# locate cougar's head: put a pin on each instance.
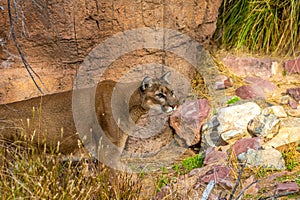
(156, 93)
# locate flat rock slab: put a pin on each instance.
(237, 116)
(288, 133)
(242, 145)
(267, 86)
(292, 66)
(249, 66)
(278, 111)
(288, 187)
(250, 92)
(214, 156)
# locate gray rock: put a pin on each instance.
(210, 135)
(229, 123)
(269, 158)
(264, 125)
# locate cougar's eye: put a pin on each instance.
(160, 95)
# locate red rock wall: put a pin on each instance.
(55, 37)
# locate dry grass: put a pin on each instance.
(25, 173)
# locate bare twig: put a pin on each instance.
(27, 66)
(237, 181)
(243, 191)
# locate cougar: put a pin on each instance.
(49, 119)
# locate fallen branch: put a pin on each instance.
(237, 181)
(244, 190)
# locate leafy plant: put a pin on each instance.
(186, 165)
(193, 162)
(233, 100)
(163, 181)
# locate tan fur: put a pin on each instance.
(53, 119)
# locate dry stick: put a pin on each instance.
(244, 190)
(237, 181)
(26, 64)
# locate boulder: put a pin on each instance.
(269, 158)
(188, 119)
(264, 125)
(57, 36)
(288, 133)
(229, 123)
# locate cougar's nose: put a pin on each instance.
(174, 107)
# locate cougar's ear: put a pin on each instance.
(147, 82)
(166, 77)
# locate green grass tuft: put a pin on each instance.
(260, 26)
(188, 164)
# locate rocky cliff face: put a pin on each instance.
(56, 36)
